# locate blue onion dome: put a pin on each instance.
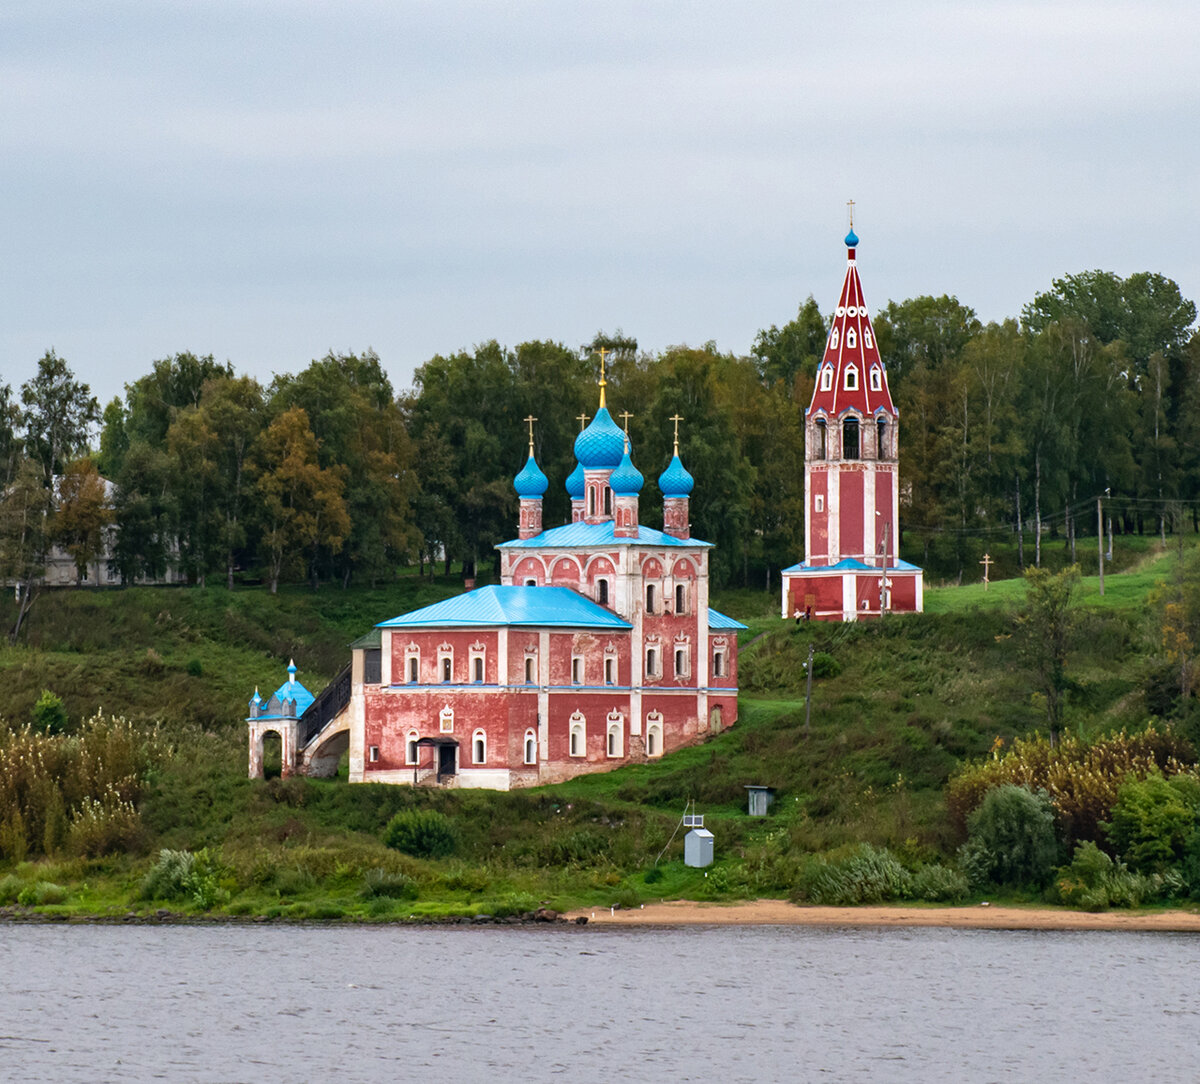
(675, 480)
(531, 482)
(601, 444)
(851, 238)
(626, 480)
(576, 483)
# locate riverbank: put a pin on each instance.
(979, 916)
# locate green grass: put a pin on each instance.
(915, 695)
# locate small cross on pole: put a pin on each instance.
(531, 419)
(987, 566)
(582, 420)
(676, 418)
(850, 204)
(625, 416)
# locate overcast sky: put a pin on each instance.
(268, 181)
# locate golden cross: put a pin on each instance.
(604, 352)
(582, 420)
(850, 204)
(625, 416)
(677, 418)
(531, 419)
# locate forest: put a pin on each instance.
(1009, 432)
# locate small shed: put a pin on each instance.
(698, 848)
(760, 800)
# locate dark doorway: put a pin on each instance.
(272, 760)
(447, 757)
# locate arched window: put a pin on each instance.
(827, 378)
(447, 667)
(651, 662)
(822, 448)
(610, 670)
(529, 669)
(654, 737)
(851, 338)
(833, 339)
(577, 670)
(681, 661)
(649, 598)
(602, 592)
(876, 378)
(479, 747)
(680, 598)
(615, 742)
(719, 663)
(591, 501)
(880, 438)
(411, 749)
(607, 501)
(414, 668)
(577, 745)
(867, 336)
(530, 747)
(478, 661)
(851, 378)
(850, 438)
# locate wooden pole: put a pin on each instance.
(808, 692)
(1100, 540)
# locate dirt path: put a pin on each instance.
(782, 913)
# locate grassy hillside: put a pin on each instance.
(897, 705)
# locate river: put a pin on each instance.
(579, 1004)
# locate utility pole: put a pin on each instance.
(1100, 539)
(808, 692)
(883, 580)
(987, 567)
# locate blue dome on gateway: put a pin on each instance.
(602, 444)
(531, 482)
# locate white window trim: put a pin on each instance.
(577, 728)
(373, 754)
(819, 502)
(411, 749)
(654, 735)
(827, 378)
(850, 380)
(478, 745)
(614, 740)
(578, 670)
(530, 742)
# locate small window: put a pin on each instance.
(851, 378)
(851, 338)
(411, 749)
(577, 670)
(610, 671)
(591, 502)
(649, 598)
(681, 662)
(478, 675)
(718, 664)
(680, 598)
(531, 583)
(479, 747)
(373, 754)
(414, 669)
(822, 449)
(577, 744)
(607, 501)
(833, 339)
(602, 592)
(529, 669)
(881, 439)
(867, 337)
(372, 666)
(615, 742)
(850, 438)
(447, 667)
(827, 378)
(819, 502)
(654, 741)
(876, 379)
(530, 747)
(651, 662)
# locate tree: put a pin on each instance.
(1154, 820)
(58, 416)
(300, 503)
(83, 515)
(794, 350)
(144, 511)
(11, 445)
(1046, 623)
(25, 522)
(1010, 838)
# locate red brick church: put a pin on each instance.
(851, 567)
(597, 649)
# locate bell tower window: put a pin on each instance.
(850, 438)
(851, 378)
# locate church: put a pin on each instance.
(852, 567)
(598, 648)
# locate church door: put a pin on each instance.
(447, 757)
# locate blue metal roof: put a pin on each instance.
(847, 564)
(271, 708)
(511, 605)
(720, 621)
(576, 535)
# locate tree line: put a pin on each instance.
(331, 475)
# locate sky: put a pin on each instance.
(268, 181)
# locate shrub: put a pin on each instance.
(1093, 881)
(423, 833)
(10, 889)
(1010, 839)
(511, 903)
(396, 886)
(40, 894)
(182, 875)
(863, 874)
(49, 715)
(101, 826)
(939, 884)
(1153, 821)
(825, 665)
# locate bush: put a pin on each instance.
(1010, 839)
(825, 665)
(40, 894)
(1153, 821)
(182, 875)
(511, 903)
(396, 886)
(1093, 882)
(101, 826)
(939, 884)
(864, 874)
(423, 833)
(10, 889)
(49, 715)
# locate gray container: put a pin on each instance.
(760, 799)
(698, 848)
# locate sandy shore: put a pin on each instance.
(782, 913)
